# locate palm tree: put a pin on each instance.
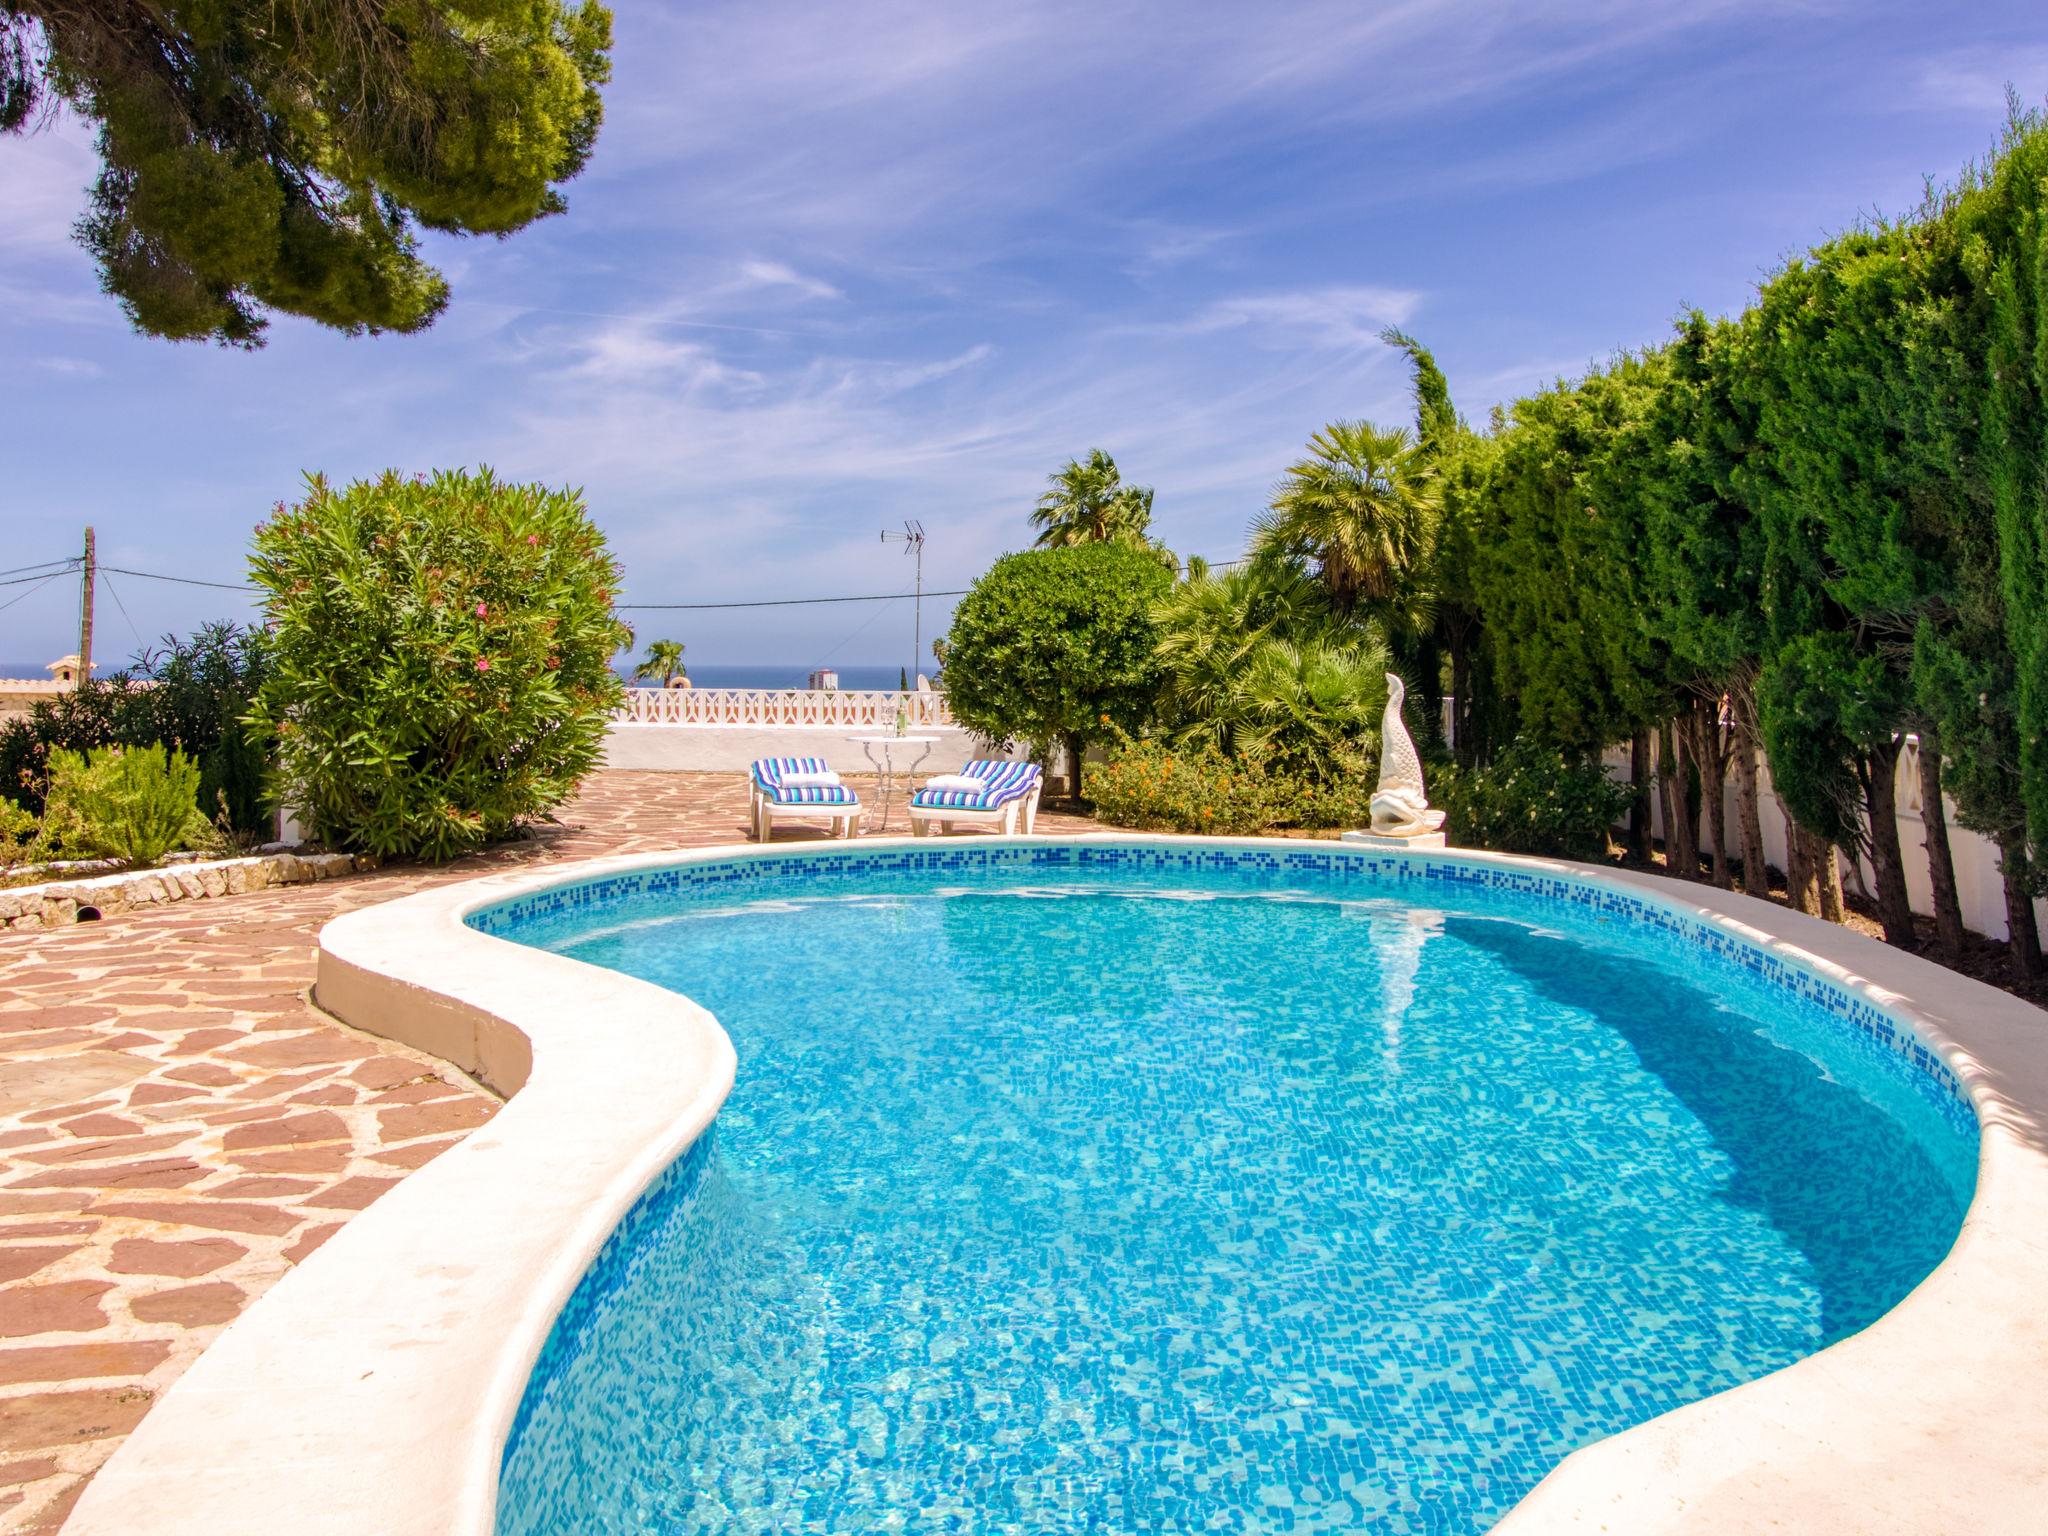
(664, 661)
(1209, 626)
(1359, 512)
(1089, 503)
(1311, 707)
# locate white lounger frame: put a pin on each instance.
(1003, 816)
(843, 820)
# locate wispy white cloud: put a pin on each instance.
(638, 354)
(860, 125)
(1481, 392)
(70, 367)
(1344, 316)
(777, 274)
(1975, 80)
(1162, 247)
(44, 178)
(892, 378)
(835, 267)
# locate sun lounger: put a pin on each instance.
(799, 789)
(1007, 793)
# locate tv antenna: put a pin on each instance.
(912, 540)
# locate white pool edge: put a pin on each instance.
(371, 1390)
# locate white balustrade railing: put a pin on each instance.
(831, 707)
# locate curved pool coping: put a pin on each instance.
(371, 1390)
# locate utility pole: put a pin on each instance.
(912, 539)
(85, 614)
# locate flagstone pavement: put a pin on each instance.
(179, 1126)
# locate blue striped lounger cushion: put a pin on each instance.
(1001, 783)
(767, 773)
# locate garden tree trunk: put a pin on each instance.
(1712, 757)
(2023, 934)
(1681, 831)
(1639, 797)
(1075, 747)
(1756, 874)
(1463, 747)
(1827, 861)
(1879, 772)
(1667, 804)
(1429, 680)
(1941, 867)
(1800, 874)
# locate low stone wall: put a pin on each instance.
(59, 903)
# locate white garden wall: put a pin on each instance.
(729, 748)
(722, 730)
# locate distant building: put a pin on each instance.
(18, 695)
(825, 679)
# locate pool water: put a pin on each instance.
(1117, 1201)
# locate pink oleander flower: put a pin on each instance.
(482, 609)
(533, 538)
(483, 663)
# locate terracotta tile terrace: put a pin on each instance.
(179, 1125)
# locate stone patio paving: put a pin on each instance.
(179, 1126)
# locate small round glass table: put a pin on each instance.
(888, 769)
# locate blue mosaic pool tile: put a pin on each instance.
(1331, 862)
(759, 1347)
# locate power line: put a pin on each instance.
(62, 570)
(32, 591)
(769, 602)
(69, 561)
(860, 629)
(115, 594)
(765, 602)
(792, 602)
(189, 581)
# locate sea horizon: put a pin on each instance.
(710, 674)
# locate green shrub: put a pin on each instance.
(95, 715)
(1531, 800)
(1151, 786)
(191, 695)
(1253, 662)
(439, 659)
(197, 698)
(1056, 646)
(21, 840)
(134, 804)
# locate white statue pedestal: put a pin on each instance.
(1375, 840)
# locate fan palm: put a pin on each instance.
(1359, 511)
(1210, 625)
(664, 661)
(1311, 707)
(1089, 503)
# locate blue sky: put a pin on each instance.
(836, 266)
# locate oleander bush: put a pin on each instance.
(1156, 786)
(1531, 799)
(439, 658)
(135, 804)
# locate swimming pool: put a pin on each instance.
(1146, 1189)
